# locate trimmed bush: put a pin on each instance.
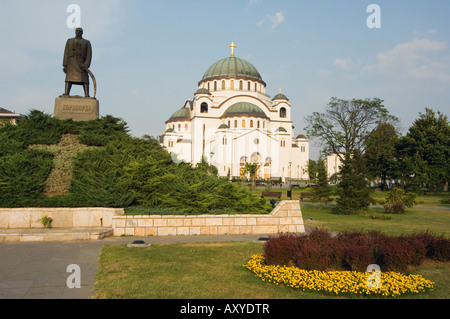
(354, 251)
(439, 249)
(397, 201)
(281, 249)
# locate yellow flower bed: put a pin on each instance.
(338, 282)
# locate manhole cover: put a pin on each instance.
(138, 243)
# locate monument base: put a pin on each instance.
(76, 108)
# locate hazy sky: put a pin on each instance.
(148, 56)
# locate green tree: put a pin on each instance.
(322, 191)
(343, 129)
(252, 170)
(312, 171)
(354, 189)
(380, 153)
(424, 152)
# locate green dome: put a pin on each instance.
(244, 109)
(232, 67)
(203, 91)
(280, 96)
(183, 114)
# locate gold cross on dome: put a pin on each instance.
(232, 46)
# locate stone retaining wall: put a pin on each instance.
(286, 217)
(24, 218)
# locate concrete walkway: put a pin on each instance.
(38, 270)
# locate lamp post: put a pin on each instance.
(290, 182)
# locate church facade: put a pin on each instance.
(231, 120)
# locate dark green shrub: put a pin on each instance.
(23, 177)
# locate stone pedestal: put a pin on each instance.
(76, 108)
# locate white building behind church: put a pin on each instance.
(231, 120)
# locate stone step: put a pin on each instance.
(54, 234)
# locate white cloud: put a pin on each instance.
(323, 72)
(254, 2)
(415, 59)
(343, 64)
(276, 19)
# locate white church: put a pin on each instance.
(231, 120)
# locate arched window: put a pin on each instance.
(283, 112)
(186, 127)
(215, 85)
(179, 127)
(256, 85)
(241, 85)
(229, 124)
(232, 85)
(204, 107)
(243, 123)
(208, 87)
(235, 123)
(248, 86)
(223, 84)
(257, 124)
(283, 143)
(251, 123)
(255, 158)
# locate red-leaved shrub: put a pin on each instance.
(440, 249)
(281, 249)
(355, 250)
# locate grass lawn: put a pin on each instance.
(415, 219)
(215, 271)
(184, 271)
(208, 271)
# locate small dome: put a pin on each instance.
(183, 114)
(232, 67)
(281, 129)
(244, 109)
(170, 130)
(280, 96)
(223, 127)
(301, 136)
(203, 91)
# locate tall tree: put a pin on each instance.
(354, 189)
(322, 191)
(346, 124)
(425, 150)
(252, 170)
(343, 129)
(380, 153)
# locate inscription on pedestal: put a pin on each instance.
(76, 108)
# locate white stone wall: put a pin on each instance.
(25, 218)
(285, 218)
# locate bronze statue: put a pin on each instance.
(77, 59)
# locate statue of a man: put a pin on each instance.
(77, 59)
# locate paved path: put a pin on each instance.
(38, 270)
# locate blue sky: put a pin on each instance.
(148, 56)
